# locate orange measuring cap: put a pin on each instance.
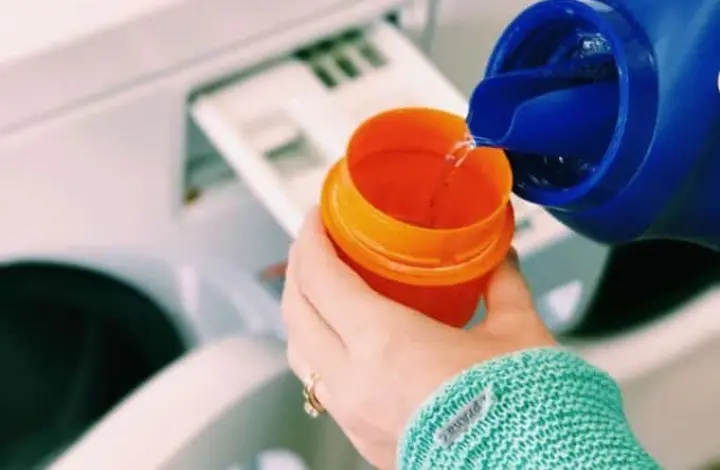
(420, 218)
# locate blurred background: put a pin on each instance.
(156, 158)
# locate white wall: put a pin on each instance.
(467, 31)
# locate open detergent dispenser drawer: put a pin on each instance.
(282, 126)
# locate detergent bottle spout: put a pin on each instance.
(566, 109)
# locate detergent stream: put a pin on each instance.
(454, 158)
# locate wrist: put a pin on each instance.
(522, 410)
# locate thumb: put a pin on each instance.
(508, 300)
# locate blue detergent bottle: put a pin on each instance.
(609, 112)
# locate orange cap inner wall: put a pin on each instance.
(417, 227)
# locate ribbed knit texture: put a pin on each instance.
(548, 409)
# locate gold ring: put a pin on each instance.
(312, 405)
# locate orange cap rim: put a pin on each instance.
(479, 265)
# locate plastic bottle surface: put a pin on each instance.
(419, 214)
(609, 111)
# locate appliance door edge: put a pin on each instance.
(173, 410)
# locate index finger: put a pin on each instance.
(327, 283)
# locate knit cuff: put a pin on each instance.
(535, 409)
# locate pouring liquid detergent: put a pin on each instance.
(609, 112)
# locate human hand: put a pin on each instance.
(377, 361)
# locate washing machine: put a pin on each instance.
(156, 160)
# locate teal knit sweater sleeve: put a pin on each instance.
(539, 409)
